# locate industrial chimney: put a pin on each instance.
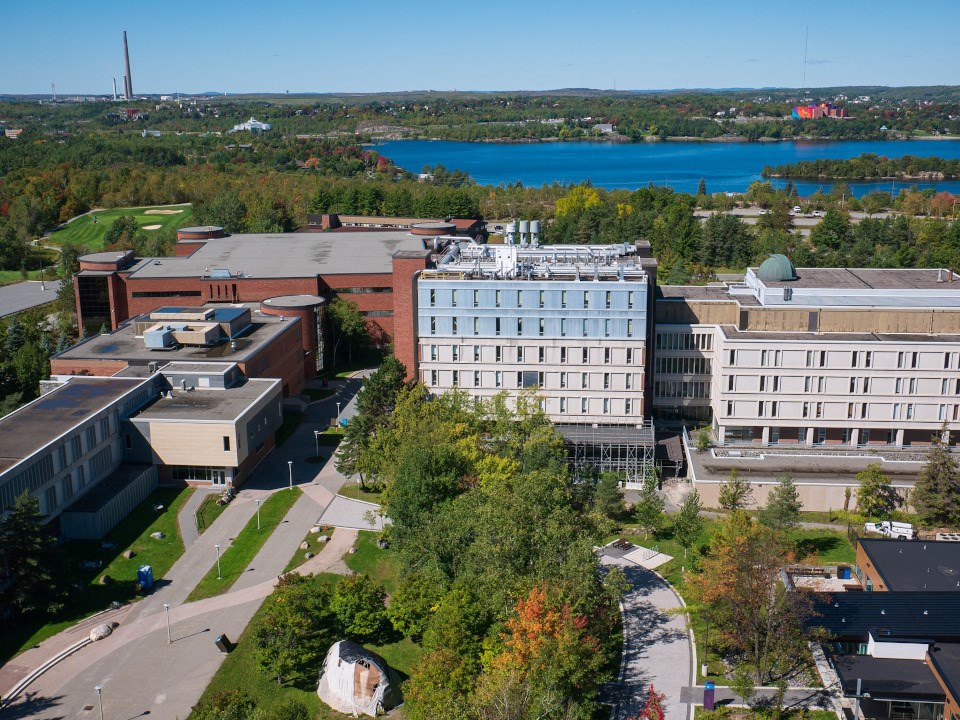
(127, 80)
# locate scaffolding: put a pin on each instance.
(627, 450)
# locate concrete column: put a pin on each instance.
(899, 438)
(721, 432)
(855, 437)
(765, 435)
(810, 436)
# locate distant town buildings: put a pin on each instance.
(813, 112)
(251, 125)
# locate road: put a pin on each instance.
(140, 672)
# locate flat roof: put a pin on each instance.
(37, 424)
(733, 333)
(108, 256)
(868, 279)
(887, 678)
(915, 564)
(929, 616)
(209, 405)
(286, 255)
(605, 434)
(124, 344)
(107, 489)
(946, 659)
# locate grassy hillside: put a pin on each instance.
(84, 231)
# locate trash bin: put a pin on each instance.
(843, 572)
(223, 643)
(145, 576)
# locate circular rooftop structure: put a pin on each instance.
(293, 302)
(777, 268)
(433, 229)
(200, 232)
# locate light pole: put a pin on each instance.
(99, 689)
(338, 411)
(219, 577)
(166, 609)
(258, 513)
(316, 439)
(290, 468)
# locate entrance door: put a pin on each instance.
(218, 476)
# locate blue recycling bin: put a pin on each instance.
(145, 576)
(844, 573)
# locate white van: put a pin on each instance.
(891, 529)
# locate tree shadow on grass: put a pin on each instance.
(807, 547)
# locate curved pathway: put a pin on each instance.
(656, 645)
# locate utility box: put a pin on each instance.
(145, 576)
(223, 643)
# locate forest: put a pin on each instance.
(869, 166)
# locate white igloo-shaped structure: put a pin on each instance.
(355, 680)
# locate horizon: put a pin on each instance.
(238, 49)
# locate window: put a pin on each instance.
(476, 326)
(563, 355)
(606, 356)
(91, 437)
(849, 411)
(914, 360)
(433, 352)
(606, 406)
(863, 410)
(433, 298)
(896, 411)
(853, 359)
(629, 328)
(763, 383)
(497, 325)
(809, 358)
(519, 326)
(608, 300)
(913, 386)
(773, 408)
(946, 361)
(629, 381)
(629, 356)
(606, 381)
(62, 456)
(519, 353)
(476, 378)
(50, 497)
(584, 327)
(733, 357)
(499, 353)
(453, 298)
(433, 326)
(433, 378)
(476, 298)
(868, 358)
(563, 327)
(455, 349)
(819, 409)
(586, 356)
(764, 355)
(127, 441)
(586, 300)
(541, 327)
(628, 406)
(541, 354)
(81, 476)
(476, 353)
(563, 380)
(498, 378)
(563, 298)
(583, 381)
(823, 358)
(606, 328)
(77, 447)
(909, 411)
(583, 405)
(630, 300)
(821, 435)
(821, 384)
(563, 405)
(729, 408)
(942, 412)
(497, 299)
(806, 410)
(944, 387)
(760, 408)
(542, 297)
(899, 386)
(730, 382)
(808, 384)
(226, 443)
(776, 383)
(455, 377)
(454, 325)
(67, 485)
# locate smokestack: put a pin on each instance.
(114, 89)
(127, 79)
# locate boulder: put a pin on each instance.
(308, 555)
(99, 632)
(128, 554)
(315, 529)
(157, 535)
(323, 538)
(304, 545)
(105, 580)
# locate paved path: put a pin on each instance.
(187, 519)
(656, 646)
(345, 512)
(811, 698)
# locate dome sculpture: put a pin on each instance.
(777, 268)
(355, 680)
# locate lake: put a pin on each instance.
(727, 167)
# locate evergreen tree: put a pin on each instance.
(875, 496)
(32, 562)
(702, 187)
(688, 523)
(15, 336)
(782, 511)
(649, 506)
(735, 493)
(936, 496)
(608, 497)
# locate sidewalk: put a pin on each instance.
(187, 519)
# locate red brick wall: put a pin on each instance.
(405, 311)
(185, 248)
(97, 368)
(283, 359)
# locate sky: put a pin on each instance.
(392, 45)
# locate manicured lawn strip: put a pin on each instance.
(299, 557)
(291, 421)
(91, 597)
(240, 671)
(83, 231)
(354, 491)
(381, 565)
(235, 558)
(209, 511)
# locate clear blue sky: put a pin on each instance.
(365, 45)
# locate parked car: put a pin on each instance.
(891, 529)
(761, 211)
(818, 213)
(796, 210)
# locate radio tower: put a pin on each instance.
(127, 80)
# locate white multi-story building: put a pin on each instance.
(813, 357)
(571, 321)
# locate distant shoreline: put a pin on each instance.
(623, 140)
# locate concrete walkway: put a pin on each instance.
(656, 646)
(187, 518)
(345, 512)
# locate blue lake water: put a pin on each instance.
(727, 167)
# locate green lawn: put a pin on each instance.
(209, 511)
(36, 258)
(131, 534)
(299, 557)
(83, 230)
(353, 490)
(381, 565)
(235, 558)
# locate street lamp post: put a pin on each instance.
(99, 689)
(290, 468)
(166, 609)
(338, 411)
(258, 513)
(219, 577)
(316, 439)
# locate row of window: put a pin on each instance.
(682, 365)
(678, 389)
(684, 341)
(900, 411)
(819, 437)
(527, 354)
(166, 293)
(856, 385)
(528, 378)
(362, 290)
(567, 326)
(858, 358)
(532, 298)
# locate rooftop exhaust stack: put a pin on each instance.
(535, 233)
(127, 79)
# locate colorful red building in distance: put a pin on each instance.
(813, 112)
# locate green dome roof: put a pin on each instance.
(777, 268)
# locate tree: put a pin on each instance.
(782, 511)
(649, 506)
(413, 603)
(225, 210)
(225, 705)
(703, 439)
(357, 602)
(936, 495)
(31, 560)
(702, 187)
(688, 524)
(743, 683)
(875, 496)
(739, 585)
(678, 274)
(347, 325)
(735, 493)
(608, 496)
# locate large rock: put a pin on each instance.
(315, 529)
(308, 555)
(323, 538)
(304, 545)
(128, 554)
(157, 535)
(99, 632)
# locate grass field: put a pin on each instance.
(209, 511)
(381, 565)
(36, 258)
(354, 491)
(300, 556)
(235, 559)
(131, 534)
(83, 230)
